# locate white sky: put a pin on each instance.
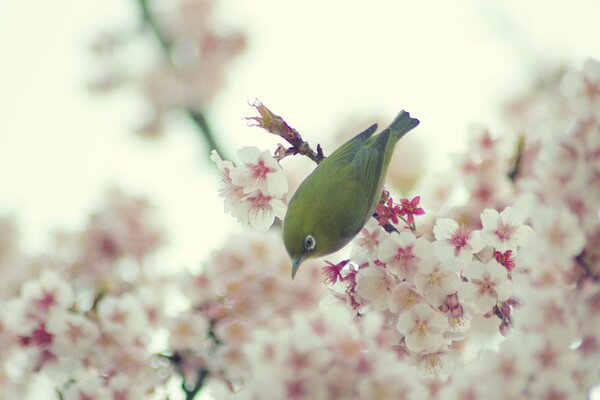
(314, 62)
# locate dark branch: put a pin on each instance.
(196, 116)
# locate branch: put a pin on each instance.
(274, 124)
(196, 116)
(514, 172)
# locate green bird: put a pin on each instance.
(334, 202)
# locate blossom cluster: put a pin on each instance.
(494, 295)
(430, 290)
(254, 189)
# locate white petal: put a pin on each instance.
(449, 283)
(524, 236)
(423, 248)
(443, 250)
(387, 249)
(277, 183)
(468, 291)
(503, 290)
(444, 228)
(249, 154)
(489, 219)
(512, 216)
(405, 322)
(278, 208)
(405, 239)
(496, 272)
(438, 323)
(475, 270)
(417, 342)
(260, 219)
(484, 303)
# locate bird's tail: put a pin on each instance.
(401, 125)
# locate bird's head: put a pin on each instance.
(300, 245)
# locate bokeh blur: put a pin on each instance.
(109, 111)
(320, 65)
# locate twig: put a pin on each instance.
(196, 116)
(274, 124)
(514, 172)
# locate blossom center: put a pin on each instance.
(504, 231)
(404, 254)
(421, 328)
(435, 278)
(459, 239)
(260, 170)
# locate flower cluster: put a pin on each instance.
(254, 189)
(243, 287)
(328, 355)
(429, 290)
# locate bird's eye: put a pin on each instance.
(310, 243)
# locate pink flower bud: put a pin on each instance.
(457, 311)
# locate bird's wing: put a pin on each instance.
(368, 166)
(346, 152)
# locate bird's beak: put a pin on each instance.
(295, 265)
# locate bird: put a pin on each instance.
(336, 199)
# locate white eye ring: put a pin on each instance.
(310, 243)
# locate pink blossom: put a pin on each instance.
(259, 171)
(388, 212)
(410, 208)
(452, 240)
(583, 89)
(260, 210)
(333, 272)
(400, 252)
(375, 285)
(366, 245)
(404, 296)
(423, 328)
(505, 259)
(503, 231)
(435, 280)
(488, 284)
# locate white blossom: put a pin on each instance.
(375, 285)
(259, 171)
(423, 328)
(436, 279)
(488, 284)
(452, 240)
(503, 231)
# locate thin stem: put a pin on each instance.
(196, 116)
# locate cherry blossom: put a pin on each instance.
(375, 285)
(435, 280)
(253, 191)
(400, 253)
(452, 240)
(487, 285)
(503, 231)
(423, 328)
(366, 245)
(410, 208)
(404, 296)
(583, 89)
(259, 171)
(260, 210)
(558, 233)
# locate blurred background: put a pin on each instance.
(85, 100)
